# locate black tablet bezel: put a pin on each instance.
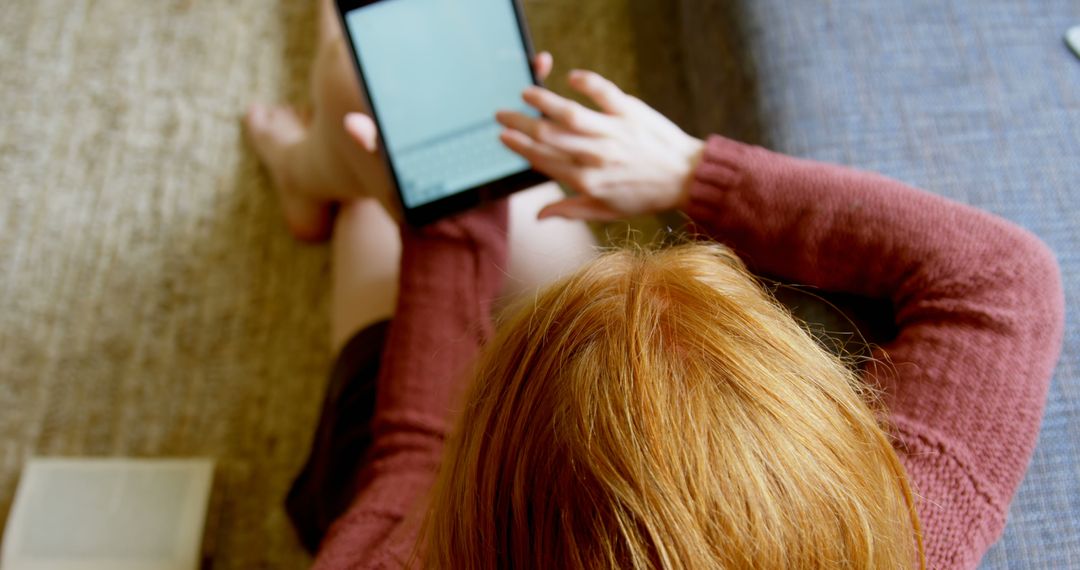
(432, 211)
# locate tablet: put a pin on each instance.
(434, 73)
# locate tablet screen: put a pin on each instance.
(435, 72)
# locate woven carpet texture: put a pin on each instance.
(152, 303)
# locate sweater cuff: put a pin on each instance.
(723, 168)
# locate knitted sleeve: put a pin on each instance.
(978, 305)
(450, 274)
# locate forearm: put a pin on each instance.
(837, 228)
(941, 263)
(450, 274)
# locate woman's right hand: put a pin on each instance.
(624, 160)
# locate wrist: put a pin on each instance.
(693, 153)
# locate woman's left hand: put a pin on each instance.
(623, 160)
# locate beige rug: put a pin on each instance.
(152, 304)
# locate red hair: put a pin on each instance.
(661, 410)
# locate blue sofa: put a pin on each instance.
(975, 100)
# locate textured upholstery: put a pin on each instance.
(975, 100)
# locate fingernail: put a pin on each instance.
(354, 120)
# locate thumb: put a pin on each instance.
(543, 64)
(362, 130)
(579, 208)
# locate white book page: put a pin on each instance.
(108, 514)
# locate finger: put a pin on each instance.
(601, 90)
(541, 156)
(361, 128)
(543, 63)
(584, 150)
(518, 122)
(579, 208)
(569, 114)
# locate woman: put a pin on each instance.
(660, 410)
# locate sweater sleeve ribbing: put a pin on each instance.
(978, 304)
(451, 272)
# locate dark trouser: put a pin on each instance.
(325, 487)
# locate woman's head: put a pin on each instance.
(660, 410)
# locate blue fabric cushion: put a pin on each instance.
(975, 100)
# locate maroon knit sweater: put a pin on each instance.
(978, 303)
